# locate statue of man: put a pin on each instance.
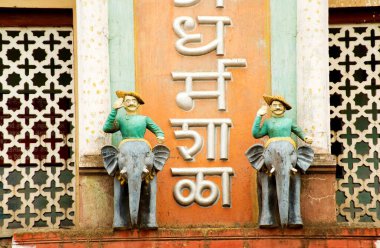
(278, 163)
(133, 125)
(277, 127)
(134, 164)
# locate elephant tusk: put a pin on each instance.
(294, 170)
(272, 170)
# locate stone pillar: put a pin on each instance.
(313, 111)
(313, 105)
(93, 94)
(93, 75)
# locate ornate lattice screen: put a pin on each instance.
(355, 120)
(36, 128)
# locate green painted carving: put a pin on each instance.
(365, 197)
(3, 191)
(53, 214)
(27, 215)
(375, 160)
(14, 225)
(376, 209)
(361, 124)
(340, 197)
(40, 177)
(14, 178)
(375, 185)
(40, 223)
(40, 202)
(66, 223)
(66, 201)
(3, 216)
(366, 218)
(362, 148)
(66, 176)
(350, 160)
(363, 172)
(53, 189)
(27, 190)
(14, 203)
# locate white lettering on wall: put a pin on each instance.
(200, 185)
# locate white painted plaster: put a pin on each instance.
(93, 74)
(312, 72)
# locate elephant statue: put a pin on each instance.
(134, 166)
(279, 182)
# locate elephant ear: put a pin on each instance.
(109, 154)
(305, 156)
(255, 156)
(161, 154)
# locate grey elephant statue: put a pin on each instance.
(279, 182)
(134, 167)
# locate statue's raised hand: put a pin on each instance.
(308, 140)
(118, 103)
(262, 111)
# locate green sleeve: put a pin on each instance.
(151, 126)
(111, 124)
(298, 131)
(258, 131)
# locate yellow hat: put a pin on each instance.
(270, 99)
(123, 93)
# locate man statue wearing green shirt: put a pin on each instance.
(277, 127)
(133, 125)
(279, 163)
(134, 164)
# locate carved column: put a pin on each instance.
(313, 103)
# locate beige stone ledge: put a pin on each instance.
(323, 164)
(37, 4)
(353, 3)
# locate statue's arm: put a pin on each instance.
(154, 128)
(111, 125)
(298, 131)
(258, 131)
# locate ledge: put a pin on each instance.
(323, 164)
(91, 161)
(333, 236)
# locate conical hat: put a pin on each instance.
(270, 99)
(123, 93)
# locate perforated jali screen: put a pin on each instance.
(355, 121)
(36, 128)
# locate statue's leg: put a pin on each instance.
(147, 213)
(295, 219)
(267, 197)
(121, 218)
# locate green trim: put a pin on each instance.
(283, 52)
(121, 49)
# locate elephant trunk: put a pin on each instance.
(134, 190)
(282, 188)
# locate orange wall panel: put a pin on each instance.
(156, 58)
